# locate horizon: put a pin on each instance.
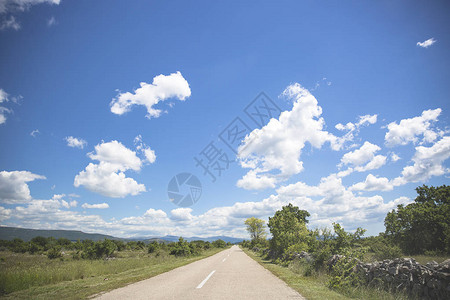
(185, 119)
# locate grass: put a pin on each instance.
(423, 259)
(315, 286)
(309, 287)
(25, 276)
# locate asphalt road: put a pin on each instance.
(230, 274)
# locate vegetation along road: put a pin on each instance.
(230, 274)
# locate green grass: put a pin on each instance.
(315, 286)
(24, 276)
(423, 259)
(309, 287)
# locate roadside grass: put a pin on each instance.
(308, 286)
(24, 276)
(315, 286)
(423, 259)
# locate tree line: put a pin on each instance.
(88, 249)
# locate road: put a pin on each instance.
(230, 274)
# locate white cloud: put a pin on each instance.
(361, 155)
(10, 23)
(13, 5)
(63, 202)
(107, 177)
(408, 130)
(373, 183)
(14, 188)
(146, 150)
(336, 203)
(34, 133)
(254, 181)
(181, 214)
(107, 180)
(116, 154)
(3, 112)
(149, 95)
(363, 121)
(75, 142)
(278, 145)
(51, 21)
(98, 206)
(426, 43)
(427, 163)
(364, 155)
(395, 157)
(4, 97)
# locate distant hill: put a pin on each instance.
(173, 238)
(9, 233)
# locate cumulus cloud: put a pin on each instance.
(181, 214)
(426, 43)
(373, 183)
(75, 142)
(98, 205)
(5, 213)
(14, 188)
(163, 88)
(428, 162)
(330, 201)
(278, 145)
(363, 159)
(254, 181)
(409, 130)
(108, 176)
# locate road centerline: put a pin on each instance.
(205, 280)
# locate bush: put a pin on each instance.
(180, 248)
(344, 274)
(152, 247)
(54, 252)
(219, 244)
(99, 249)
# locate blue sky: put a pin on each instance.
(103, 102)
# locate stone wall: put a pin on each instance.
(427, 282)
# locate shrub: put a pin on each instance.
(180, 248)
(344, 274)
(152, 247)
(219, 244)
(54, 252)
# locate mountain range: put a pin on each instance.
(10, 233)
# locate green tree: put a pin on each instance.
(345, 240)
(423, 225)
(288, 229)
(219, 243)
(256, 229)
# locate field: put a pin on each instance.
(25, 276)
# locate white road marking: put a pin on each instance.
(205, 280)
(224, 259)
